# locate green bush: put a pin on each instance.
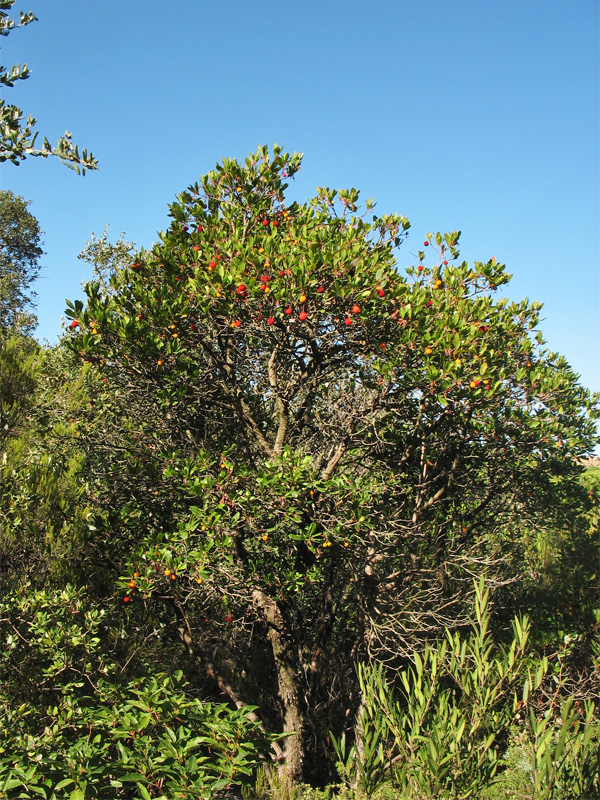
(145, 740)
(445, 734)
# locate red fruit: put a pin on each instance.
(281, 273)
(445, 263)
(192, 327)
(355, 309)
(426, 243)
(265, 222)
(74, 323)
(288, 310)
(200, 228)
(196, 247)
(212, 265)
(228, 618)
(420, 268)
(275, 223)
(126, 599)
(237, 323)
(218, 258)
(271, 320)
(302, 315)
(381, 293)
(348, 321)
(265, 278)
(320, 290)
(241, 290)
(263, 287)
(284, 174)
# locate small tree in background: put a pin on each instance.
(306, 455)
(20, 253)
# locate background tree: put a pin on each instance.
(306, 454)
(20, 253)
(106, 257)
(17, 137)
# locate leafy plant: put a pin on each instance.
(443, 736)
(306, 451)
(145, 739)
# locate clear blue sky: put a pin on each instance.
(472, 115)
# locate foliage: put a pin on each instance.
(20, 252)
(17, 138)
(44, 518)
(145, 740)
(68, 715)
(444, 738)
(108, 258)
(446, 734)
(565, 746)
(305, 452)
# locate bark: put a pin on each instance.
(292, 716)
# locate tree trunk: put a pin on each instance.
(292, 716)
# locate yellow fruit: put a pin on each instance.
(160, 362)
(302, 298)
(167, 572)
(458, 362)
(428, 351)
(265, 537)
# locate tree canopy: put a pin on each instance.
(20, 253)
(300, 450)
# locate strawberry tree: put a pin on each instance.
(307, 451)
